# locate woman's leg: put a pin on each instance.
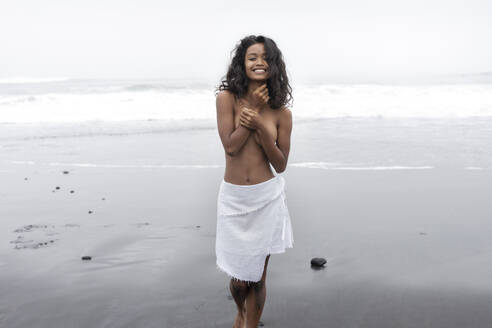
(255, 299)
(239, 290)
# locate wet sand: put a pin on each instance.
(405, 248)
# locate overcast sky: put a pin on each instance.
(320, 40)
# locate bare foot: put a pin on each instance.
(239, 322)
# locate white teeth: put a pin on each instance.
(259, 70)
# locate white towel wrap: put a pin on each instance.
(252, 222)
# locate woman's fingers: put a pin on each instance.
(246, 124)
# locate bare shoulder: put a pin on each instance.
(225, 96)
(285, 115)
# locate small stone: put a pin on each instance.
(71, 191)
(25, 178)
(318, 262)
(52, 241)
(90, 212)
(57, 188)
(198, 226)
(422, 233)
(103, 198)
(86, 258)
(65, 172)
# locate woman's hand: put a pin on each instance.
(260, 97)
(251, 119)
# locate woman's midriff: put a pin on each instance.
(249, 166)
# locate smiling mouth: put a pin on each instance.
(259, 71)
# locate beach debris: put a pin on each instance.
(90, 212)
(40, 235)
(20, 243)
(318, 262)
(71, 191)
(31, 227)
(65, 172)
(141, 224)
(86, 258)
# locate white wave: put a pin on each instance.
(310, 165)
(21, 80)
(474, 168)
(139, 166)
(336, 166)
(77, 102)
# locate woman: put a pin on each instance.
(255, 128)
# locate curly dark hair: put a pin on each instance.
(236, 80)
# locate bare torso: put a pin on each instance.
(251, 165)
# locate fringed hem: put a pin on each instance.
(248, 282)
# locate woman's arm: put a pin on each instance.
(277, 154)
(232, 139)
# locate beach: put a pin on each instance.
(399, 208)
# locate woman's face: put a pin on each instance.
(255, 63)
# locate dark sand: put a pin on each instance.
(405, 248)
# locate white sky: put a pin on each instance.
(320, 40)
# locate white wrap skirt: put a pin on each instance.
(252, 222)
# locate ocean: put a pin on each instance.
(336, 126)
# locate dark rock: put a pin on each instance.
(422, 233)
(71, 191)
(65, 172)
(86, 258)
(90, 212)
(198, 226)
(57, 188)
(318, 262)
(25, 178)
(103, 198)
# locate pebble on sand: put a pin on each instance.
(90, 212)
(318, 262)
(103, 198)
(65, 172)
(57, 188)
(86, 258)
(71, 191)
(25, 178)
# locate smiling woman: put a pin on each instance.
(255, 126)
